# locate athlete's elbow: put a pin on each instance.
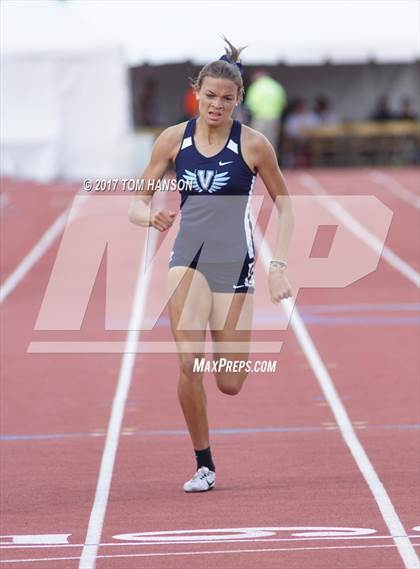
(284, 207)
(135, 215)
(132, 214)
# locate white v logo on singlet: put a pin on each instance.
(205, 181)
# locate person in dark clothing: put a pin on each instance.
(382, 111)
(407, 112)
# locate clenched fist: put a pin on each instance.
(163, 219)
(279, 285)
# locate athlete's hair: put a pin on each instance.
(226, 68)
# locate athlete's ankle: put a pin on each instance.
(204, 458)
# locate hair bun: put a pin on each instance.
(237, 63)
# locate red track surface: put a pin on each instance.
(301, 474)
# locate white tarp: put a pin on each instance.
(64, 96)
(297, 32)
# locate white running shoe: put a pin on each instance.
(202, 481)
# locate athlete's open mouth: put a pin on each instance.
(214, 114)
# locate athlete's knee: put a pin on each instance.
(229, 388)
(230, 384)
(190, 365)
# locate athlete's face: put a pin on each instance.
(216, 100)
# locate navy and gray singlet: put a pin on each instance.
(215, 233)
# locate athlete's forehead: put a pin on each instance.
(219, 86)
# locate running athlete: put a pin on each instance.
(211, 265)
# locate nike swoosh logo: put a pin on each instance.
(239, 286)
(224, 163)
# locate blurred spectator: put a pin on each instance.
(299, 120)
(407, 112)
(190, 103)
(295, 149)
(323, 112)
(382, 111)
(265, 100)
(148, 104)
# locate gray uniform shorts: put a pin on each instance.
(234, 277)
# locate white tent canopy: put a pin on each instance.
(64, 94)
(291, 31)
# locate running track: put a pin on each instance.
(293, 464)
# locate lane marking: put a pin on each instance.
(35, 540)
(97, 515)
(38, 250)
(248, 533)
(261, 316)
(184, 432)
(215, 552)
(186, 542)
(116, 347)
(395, 187)
(312, 184)
(390, 516)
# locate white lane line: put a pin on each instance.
(360, 231)
(215, 552)
(97, 515)
(36, 252)
(395, 187)
(390, 516)
(142, 544)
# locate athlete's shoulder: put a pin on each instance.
(253, 139)
(172, 133)
(256, 148)
(169, 139)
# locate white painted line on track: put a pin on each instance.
(394, 187)
(36, 253)
(97, 515)
(360, 231)
(390, 516)
(142, 544)
(215, 552)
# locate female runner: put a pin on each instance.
(211, 265)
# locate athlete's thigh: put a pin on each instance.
(231, 324)
(189, 306)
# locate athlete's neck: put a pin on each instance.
(212, 135)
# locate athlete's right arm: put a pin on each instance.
(163, 151)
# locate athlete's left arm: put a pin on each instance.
(268, 168)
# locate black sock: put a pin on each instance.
(204, 459)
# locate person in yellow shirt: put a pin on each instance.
(266, 100)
